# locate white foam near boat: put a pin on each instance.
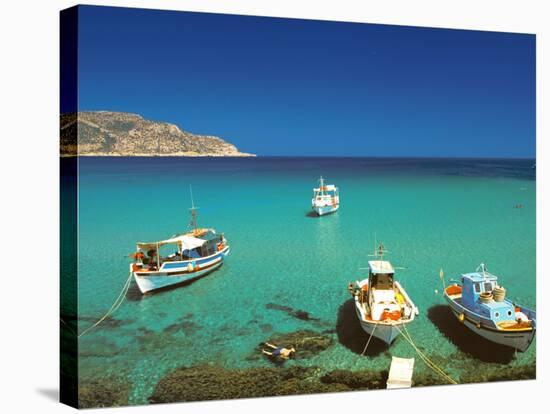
(382, 305)
(326, 198)
(194, 254)
(401, 372)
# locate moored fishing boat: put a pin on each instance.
(381, 303)
(326, 198)
(197, 253)
(480, 303)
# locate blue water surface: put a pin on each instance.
(431, 214)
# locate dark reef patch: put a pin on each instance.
(298, 314)
(98, 347)
(352, 336)
(497, 373)
(266, 327)
(211, 382)
(108, 323)
(357, 380)
(466, 340)
(208, 382)
(307, 343)
(187, 327)
(104, 392)
(183, 324)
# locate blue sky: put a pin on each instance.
(301, 87)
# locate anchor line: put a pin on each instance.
(424, 358)
(116, 304)
(368, 342)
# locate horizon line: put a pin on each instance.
(470, 157)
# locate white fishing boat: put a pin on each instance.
(325, 199)
(480, 303)
(381, 303)
(191, 255)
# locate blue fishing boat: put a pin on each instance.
(326, 198)
(191, 255)
(480, 303)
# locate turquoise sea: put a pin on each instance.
(430, 214)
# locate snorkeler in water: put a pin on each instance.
(278, 351)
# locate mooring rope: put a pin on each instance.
(368, 342)
(423, 356)
(116, 304)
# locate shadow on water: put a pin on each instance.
(312, 214)
(352, 336)
(466, 340)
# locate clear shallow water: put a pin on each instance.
(430, 214)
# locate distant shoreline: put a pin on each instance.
(180, 155)
(247, 155)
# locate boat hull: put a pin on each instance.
(324, 210)
(520, 340)
(177, 275)
(385, 332)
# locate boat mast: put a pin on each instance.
(193, 210)
(321, 186)
(379, 250)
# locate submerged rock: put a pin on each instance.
(522, 372)
(307, 343)
(187, 327)
(108, 323)
(208, 382)
(104, 392)
(296, 313)
(266, 327)
(357, 380)
(98, 346)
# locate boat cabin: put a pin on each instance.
(326, 193)
(482, 284)
(381, 294)
(179, 248)
(381, 274)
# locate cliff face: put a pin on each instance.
(123, 134)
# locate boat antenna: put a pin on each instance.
(193, 210)
(379, 250)
(483, 268)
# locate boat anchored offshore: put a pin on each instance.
(197, 253)
(382, 305)
(480, 304)
(325, 198)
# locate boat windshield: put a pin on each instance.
(382, 281)
(488, 286)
